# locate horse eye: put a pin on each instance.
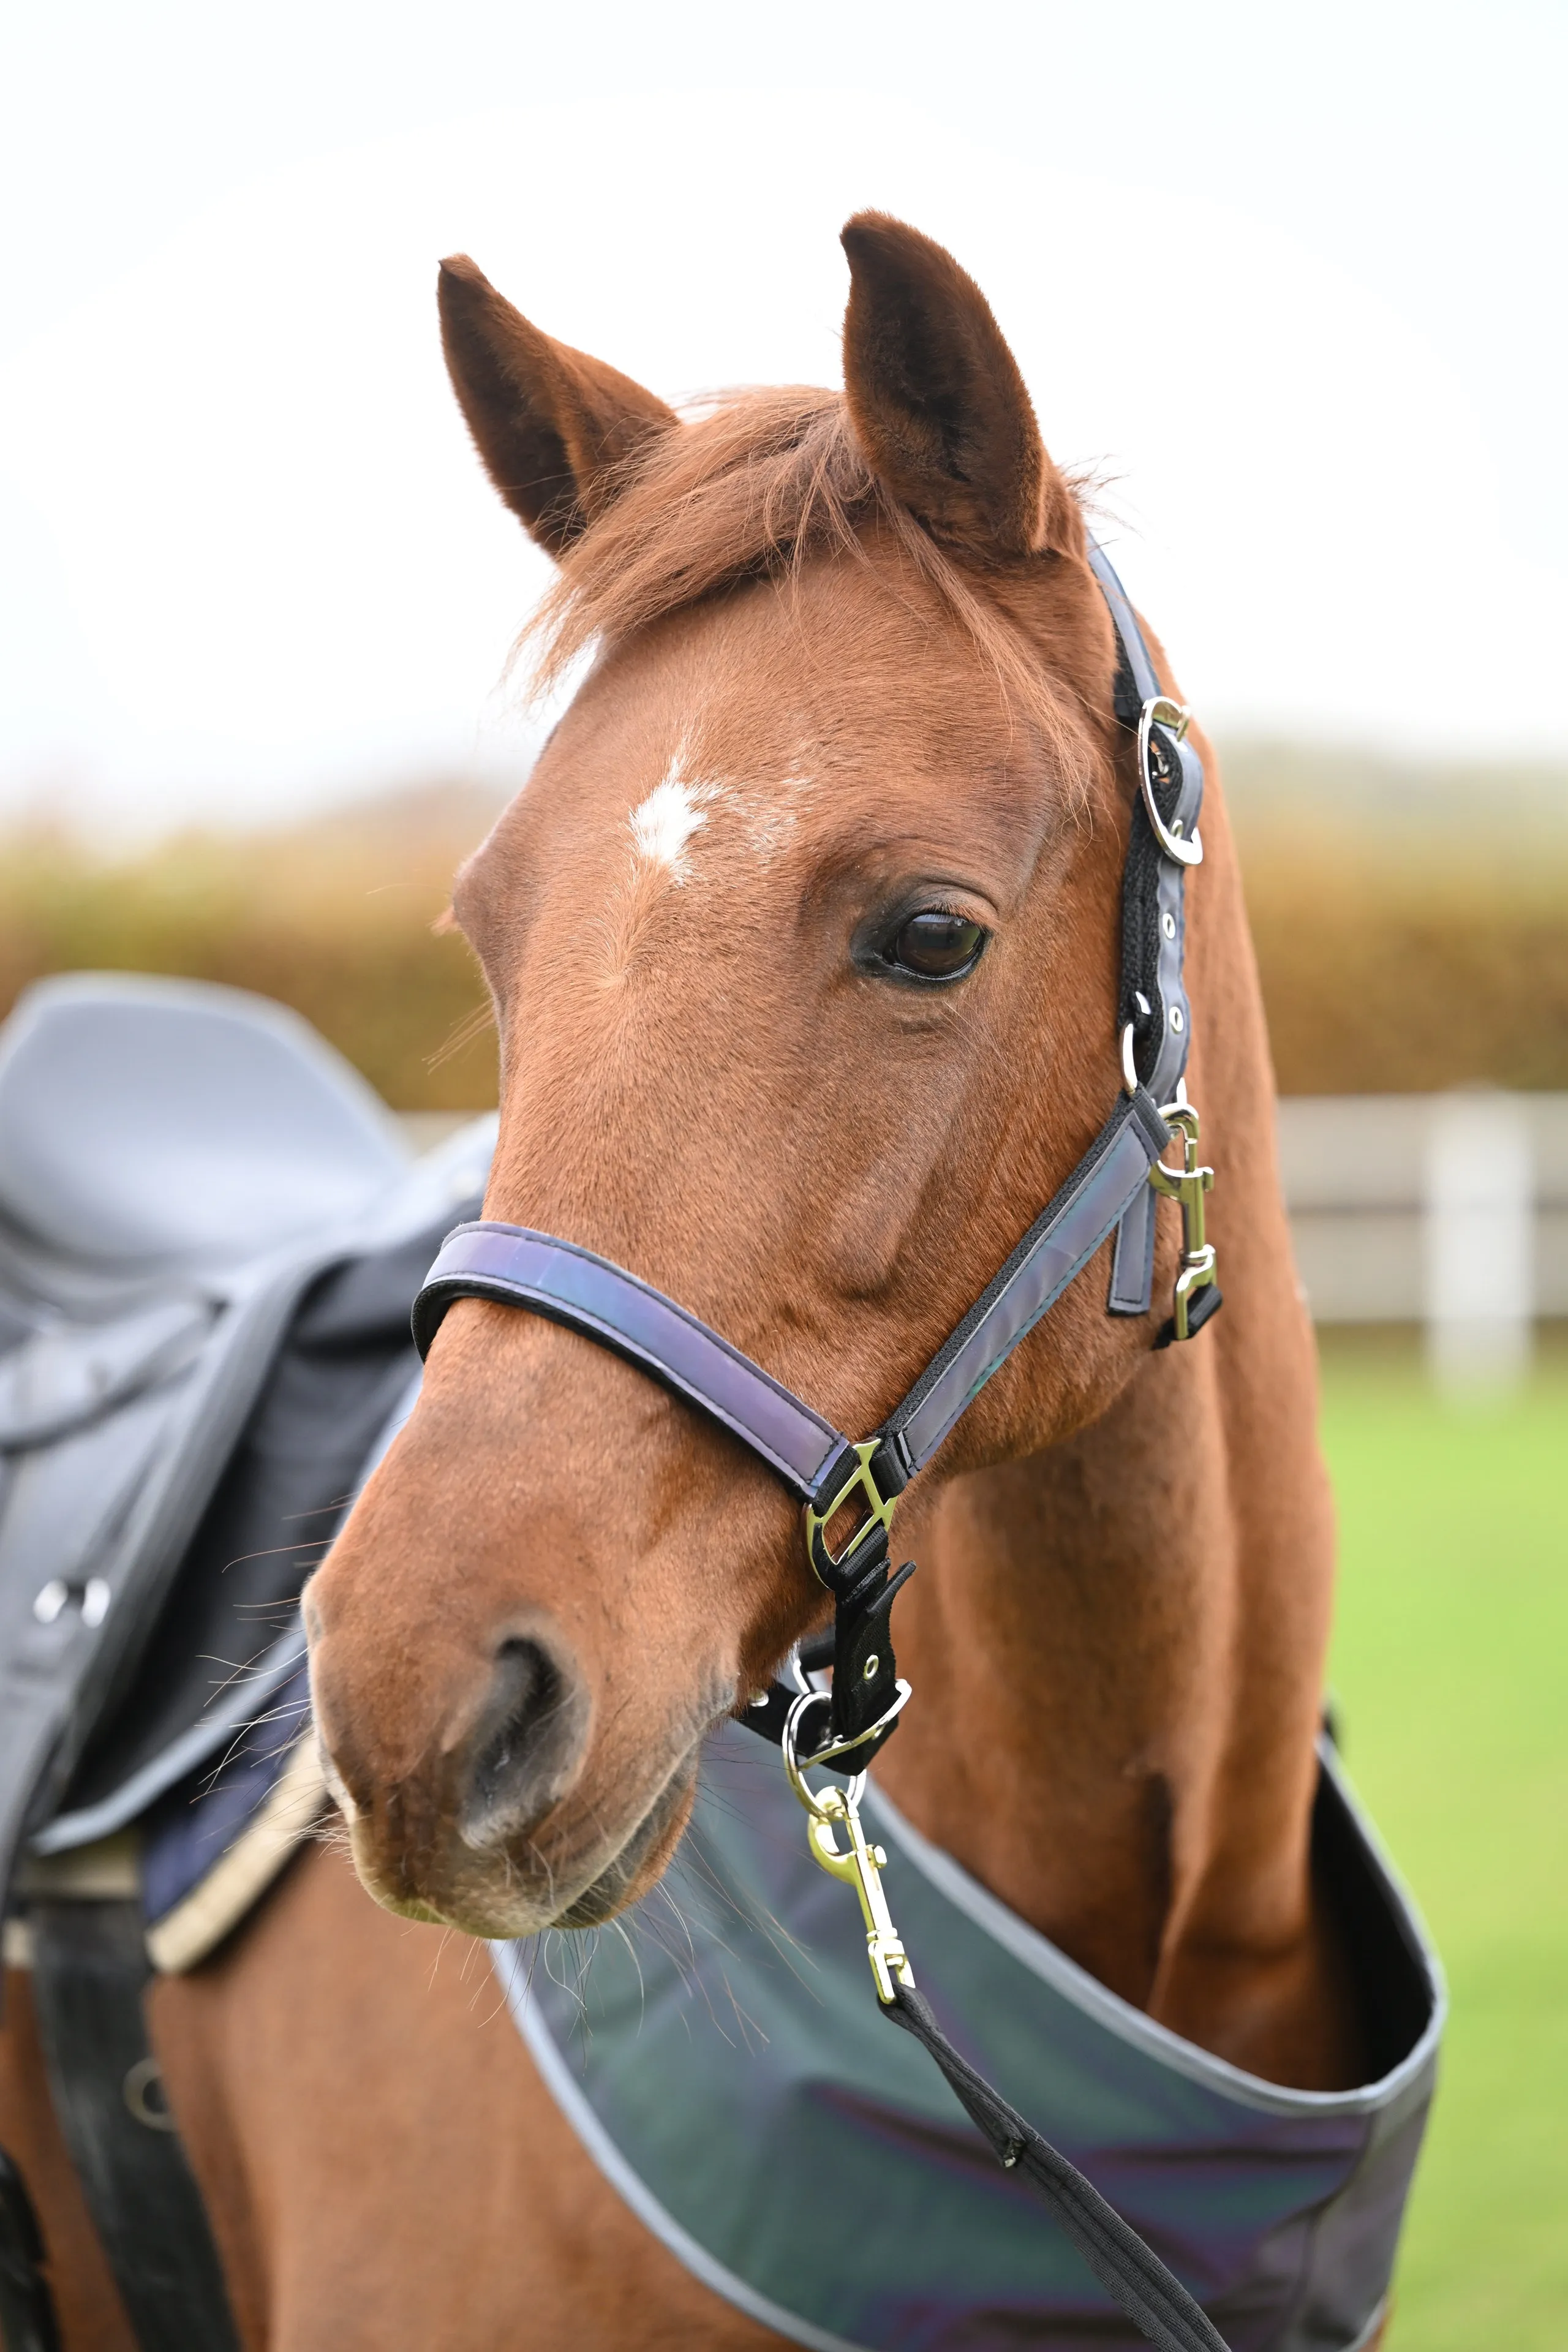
(937, 946)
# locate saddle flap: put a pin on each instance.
(65, 1504)
(66, 1375)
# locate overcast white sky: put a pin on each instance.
(1293, 276)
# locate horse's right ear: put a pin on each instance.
(551, 424)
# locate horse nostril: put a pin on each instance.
(526, 1744)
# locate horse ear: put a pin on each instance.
(936, 401)
(551, 424)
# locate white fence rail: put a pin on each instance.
(1450, 1211)
(1402, 1203)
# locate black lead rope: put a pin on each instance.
(1131, 2273)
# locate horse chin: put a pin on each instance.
(500, 1893)
(642, 1860)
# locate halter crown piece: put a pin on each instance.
(855, 1485)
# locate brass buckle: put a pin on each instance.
(1159, 710)
(879, 1508)
(1187, 1185)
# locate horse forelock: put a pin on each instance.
(752, 485)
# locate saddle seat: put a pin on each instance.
(150, 1124)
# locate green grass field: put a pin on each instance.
(1450, 1666)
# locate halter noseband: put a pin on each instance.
(1111, 1189)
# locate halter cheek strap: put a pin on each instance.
(849, 1488)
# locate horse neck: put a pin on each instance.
(1118, 1643)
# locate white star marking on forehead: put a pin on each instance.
(664, 822)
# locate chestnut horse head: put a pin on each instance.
(803, 939)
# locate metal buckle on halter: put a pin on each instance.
(829, 1565)
(1129, 1078)
(834, 1748)
(1159, 710)
(1187, 1185)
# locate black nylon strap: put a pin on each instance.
(1152, 989)
(28, 2321)
(1153, 2297)
(89, 1966)
(1153, 894)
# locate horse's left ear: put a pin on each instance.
(936, 401)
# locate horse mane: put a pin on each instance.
(752, 484)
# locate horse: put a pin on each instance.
(802, 942)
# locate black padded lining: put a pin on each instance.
(1140, 913)
(1390, 1979)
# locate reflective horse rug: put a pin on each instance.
(723, 2061)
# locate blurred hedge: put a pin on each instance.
(1402, 976)
(1411, 935)
(334, 918)
(1411, 918)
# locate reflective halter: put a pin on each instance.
(1112, 1189)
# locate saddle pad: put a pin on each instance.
(212, 1847)
(723, 2061)
(205, 1853)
